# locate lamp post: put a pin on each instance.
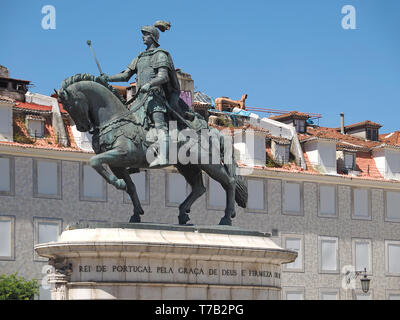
(364, 280)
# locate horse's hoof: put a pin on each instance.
(138, 212)
(233, 214)
(225, 222)
(134, 219)
(183, 218)
(120, 184)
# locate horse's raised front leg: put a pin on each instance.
(112, 158)
(193, 176)
(131, 190)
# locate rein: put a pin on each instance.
(123, 115)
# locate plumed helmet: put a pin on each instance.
(152, 30)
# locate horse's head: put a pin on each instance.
(83, 95)
(76, 104)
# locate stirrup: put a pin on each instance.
(158, 162)
(162, 158)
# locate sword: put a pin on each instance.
(89, 43)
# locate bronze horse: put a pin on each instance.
(119, 141)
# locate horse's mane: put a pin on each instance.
(88, 77)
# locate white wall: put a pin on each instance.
(311, 148)
(323, 154)
(388, 163)
(380, 160)
(393, 164)
(83, 139)
(250, 146)
(327, 155)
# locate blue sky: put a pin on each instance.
(285, 54)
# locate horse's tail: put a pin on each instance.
(241, 192)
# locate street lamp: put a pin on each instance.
(364, 280)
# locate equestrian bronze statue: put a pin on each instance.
(133, 135)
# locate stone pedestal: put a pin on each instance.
(151, 261)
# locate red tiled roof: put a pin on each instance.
(292, 114)
(62, 110)
(245, 127)
(48, 142)
(44, 146)
(366, 164)
(344, 140)
(37, 107)
(33, 106)
(365, 123)
(391, 138)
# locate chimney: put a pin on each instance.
(4, 73)
(342, 123)
(187, 86)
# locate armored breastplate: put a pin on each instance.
(145, 72)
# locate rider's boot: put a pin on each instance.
(162, 146)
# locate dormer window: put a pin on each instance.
(372, 134)
(349, 160)
(35, 126)
(295, 119)
(300, 125)
(367, 130)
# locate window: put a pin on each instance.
(295, 243)
(176, 189)
(47, 178)
(256, 195)
(300, 125)
(372, 134)
(292, 198)
(46, 230)
(141, 181)
(328, 254)
(92, 187)
(293, 293)
(35, 126)
(393, 295)
(392, 253)
(329, 294)
(392, 206)
(7, 176)
(362, 254)
(361, 204)
(216, 195)
(349, 160)
(7, 229)
(327, 201)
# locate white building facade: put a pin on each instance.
(331, 221)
